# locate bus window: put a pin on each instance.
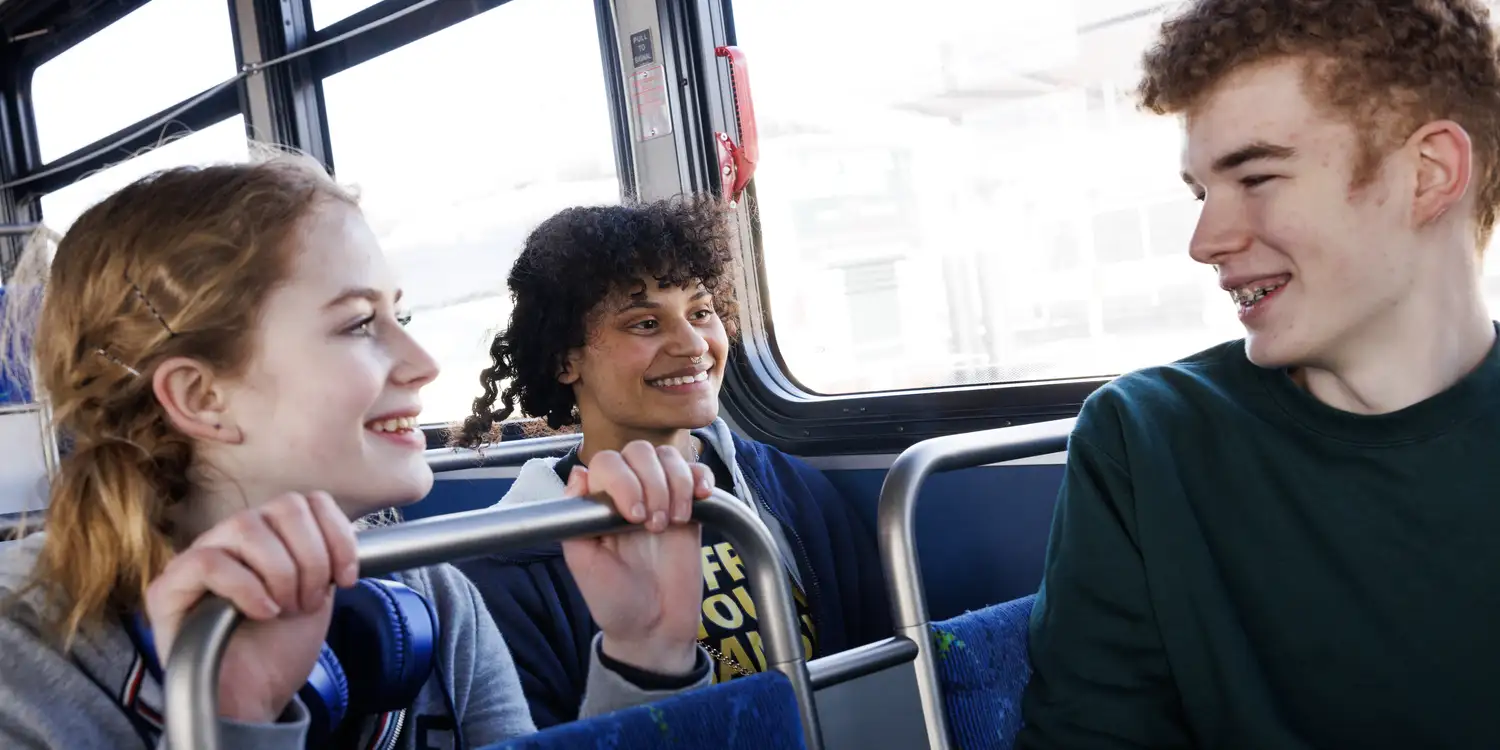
(221, 142)
(153, 58)
(978, 205)
(460, 144)
(329, 12)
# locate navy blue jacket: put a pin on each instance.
(547, 625)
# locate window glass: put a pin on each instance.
(329, 12)
(991, 209)
(503, 121)
(222, 142)
(994, 208)
(161, 54)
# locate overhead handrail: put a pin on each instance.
(192, 675)
(896, 520)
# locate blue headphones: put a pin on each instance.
(379, 652)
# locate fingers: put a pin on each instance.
(200, 571)
(608, 473)
(295, 545)
(703, 481)
(577, 482)
(293, 521)
(649, 484)
(644, 461)
(679, 483)
(249, 538)
(338, 535)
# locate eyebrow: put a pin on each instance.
(354, 293)
(639, 301)
(1255, 151)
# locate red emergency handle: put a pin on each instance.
(737, 160)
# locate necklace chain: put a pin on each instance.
(693, 445)
(731, 662)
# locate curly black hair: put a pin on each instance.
(572, 263)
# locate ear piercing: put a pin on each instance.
(697, 359)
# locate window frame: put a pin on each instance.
(765, 400)
(418, 25)
(286, 106)
(67, 30)
(760, 395)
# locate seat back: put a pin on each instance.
(25, 457)
(751, 713)
(983, 668)
(11, 391)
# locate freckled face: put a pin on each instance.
(330, 399)
(1312, 263)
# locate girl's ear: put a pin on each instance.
(195, 403)
(569, 373)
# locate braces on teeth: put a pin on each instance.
(1249, 296)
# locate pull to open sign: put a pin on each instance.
(641, 52)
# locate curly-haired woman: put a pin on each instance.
(622, 322)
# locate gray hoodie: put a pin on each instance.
(86, 698)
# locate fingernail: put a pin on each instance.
(683, 514)
(273, 607)
(351, 573)
(638, 513)
(659, 520)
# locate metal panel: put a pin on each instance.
(648, 73)
(874, 711)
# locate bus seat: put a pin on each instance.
(983, 667)
(11, 391)
(758, 712)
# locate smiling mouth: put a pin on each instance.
(1246, 297)
(397, 425)
(681, 380)
(669, 382)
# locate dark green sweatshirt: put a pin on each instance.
(1234, 564)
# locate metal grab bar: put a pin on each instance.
(897, 523)
(860, 661)
(192, 674)
(509, 453)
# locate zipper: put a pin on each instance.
(395, 736)
(812, 575)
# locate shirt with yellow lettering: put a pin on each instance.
(730, 628)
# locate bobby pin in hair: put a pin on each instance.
(151, 307)
(117, 361)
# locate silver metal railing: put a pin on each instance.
(896, 521)
(192, 672)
